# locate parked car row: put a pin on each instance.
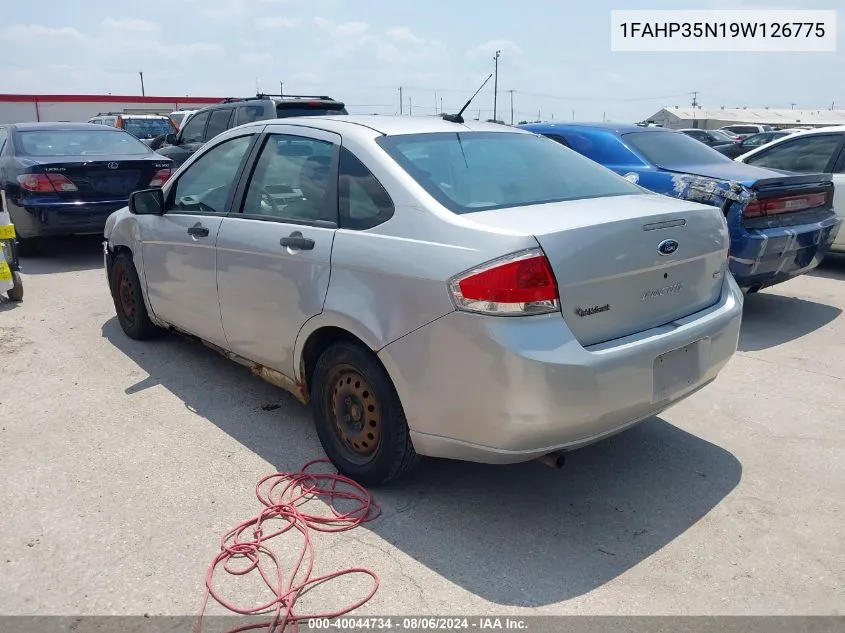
(373, 266)
(145, 127)
(782, 224)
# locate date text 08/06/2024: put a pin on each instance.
(422, 623)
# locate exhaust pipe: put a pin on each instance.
(555, 460)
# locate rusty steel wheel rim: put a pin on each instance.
(126, 298)
(355, 413)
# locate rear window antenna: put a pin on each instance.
(457, 118)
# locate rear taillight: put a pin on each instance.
(789, 204)
(46, 183)
(519, 284)
(160, 178)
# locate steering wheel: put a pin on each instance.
(268, 198)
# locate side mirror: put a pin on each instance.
(147, 202)
(170, 138)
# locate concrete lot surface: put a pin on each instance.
(123, 463)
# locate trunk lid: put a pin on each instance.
(103, 178)
(616, 271)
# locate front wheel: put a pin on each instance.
(16, 293)
(359, 418)
(129, 300)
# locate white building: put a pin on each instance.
(27, 108)
(713, 118)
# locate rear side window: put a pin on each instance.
(477, 171)
(248, 114)
(363, 201)
(2, 139)
(603, 147)
(193, 130)
(807, 154)
(218, 122)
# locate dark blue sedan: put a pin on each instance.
(781, 225)
(67, 178)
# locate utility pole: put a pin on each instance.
(511, 91)
(604, 116)
(496, 84)
(793, 105)
(441, 105)
(410, 106)
(573, 115)
(400, 100)
(143, 94)
(281, 88)
(695, 98)
(539, 118)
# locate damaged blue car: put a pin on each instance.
(781, 225)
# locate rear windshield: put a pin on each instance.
(667, 149)
(478, 171)
(79, 143)
(148, 128)
(283, 110)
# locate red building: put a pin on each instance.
(25, 108)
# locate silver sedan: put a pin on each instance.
(468, 291)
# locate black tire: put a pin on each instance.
(16, 293)
(393, 455)
(28, 246)
(129, 300)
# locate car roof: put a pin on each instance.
(618, 128)
(389, 125)
(62, 125)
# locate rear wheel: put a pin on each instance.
(359, 418)
(129, 300)
(16, 293)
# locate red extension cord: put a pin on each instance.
(283, 494)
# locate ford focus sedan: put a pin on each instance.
(431, 288)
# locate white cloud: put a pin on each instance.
(342, 29)
(130, 24)
(29, 32)
(489, 48)
(403, 34)
(264, 24)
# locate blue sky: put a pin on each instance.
(555, 55)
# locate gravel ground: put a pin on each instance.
(124, 463)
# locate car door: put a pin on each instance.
(178, 247)
(218, 122)
(274, 250)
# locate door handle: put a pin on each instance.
(198, 231)
(295, 240)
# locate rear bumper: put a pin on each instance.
(63, 218)
(761, 258)
(504, 390)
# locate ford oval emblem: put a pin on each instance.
(667, 247)
(112, 165)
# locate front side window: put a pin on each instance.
(89, 142)
(804, 155)
(292, 180)
(476, 171)
(218, 122)
(205, 185)
(362, 200)
(670, 149)
(193, 130)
